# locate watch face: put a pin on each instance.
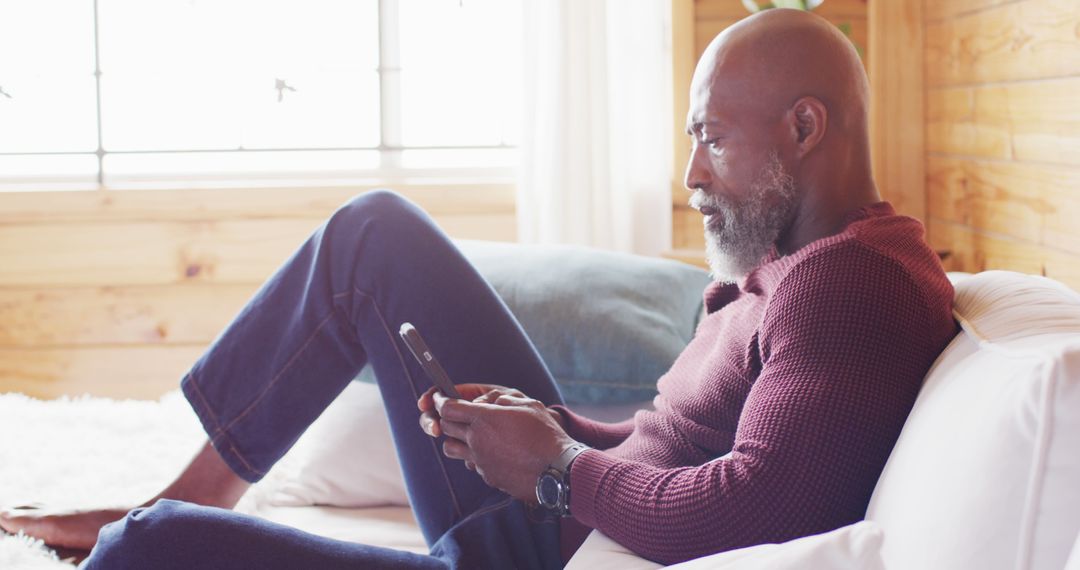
(548, 490)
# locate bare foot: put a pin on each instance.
(207, 480)
(71, 529)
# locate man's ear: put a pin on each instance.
(809, 120)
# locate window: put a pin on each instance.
(128, 92)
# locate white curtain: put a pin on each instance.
(596, 147)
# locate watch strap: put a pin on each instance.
(563, 461)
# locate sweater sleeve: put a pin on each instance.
(844, 350)
(596, 434)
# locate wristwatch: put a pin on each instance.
(553, 486)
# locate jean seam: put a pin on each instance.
(205, 403)
(218, 436)
(258, 397)
(500, 505)
(240, 456)
(412, 384)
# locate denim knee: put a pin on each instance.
(382, 216)
(139, 539)
(374, 205)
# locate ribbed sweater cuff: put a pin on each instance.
(592, 432)
(587, 473)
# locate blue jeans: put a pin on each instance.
(377, 262)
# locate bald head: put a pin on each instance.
(766, 62)
(778, 116)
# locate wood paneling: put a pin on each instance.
(975, 250)
(190, 314)
(1035, 203)
(688, 228)
(1003, 135)
(141, 372)
(896, 104)
(201, 204)
(91, 253)
(941, 9)
(689, 256)
(951, 127)
(139, 253)
(1029, 121)
(684, 58)
(1020, 40)
(116, 293)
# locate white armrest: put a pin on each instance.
(601, 553)
(854, 547)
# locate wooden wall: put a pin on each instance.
(709, 18)
(1003, 134)
(116, 293)
(897, 136)
(985, 91)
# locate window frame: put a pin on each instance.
(390, 150)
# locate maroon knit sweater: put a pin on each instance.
(776, 420)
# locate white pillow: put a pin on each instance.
(1074, 558)
(856, 546)
(985, 473)
(600, 552)
(346, 457)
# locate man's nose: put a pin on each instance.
(697, 174)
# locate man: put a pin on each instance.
(774, 423)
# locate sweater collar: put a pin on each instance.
(774, 267)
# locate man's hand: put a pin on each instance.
(505, 436)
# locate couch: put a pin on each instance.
(986, 473)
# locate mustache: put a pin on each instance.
(700, 199)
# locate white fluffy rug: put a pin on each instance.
(92, 452)
(96, 452)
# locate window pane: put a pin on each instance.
(473, 158)
(132, 168)
(200, 74)
(47, 172)
(461, 63)
(328, 109)
(47, 103)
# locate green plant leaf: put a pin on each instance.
(794, 4)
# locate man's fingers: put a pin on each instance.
(512, 400)
(425, 403)
(456, 449)
(455, 430)
(429, 422)
(454, 409)
(487, 397)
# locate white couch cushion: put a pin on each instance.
(1074, 558)
(347, 458)
(854, 547)
(985, 473)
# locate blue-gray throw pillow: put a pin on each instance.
(607, 325)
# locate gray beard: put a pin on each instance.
(742, 234)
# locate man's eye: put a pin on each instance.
(713, 143)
